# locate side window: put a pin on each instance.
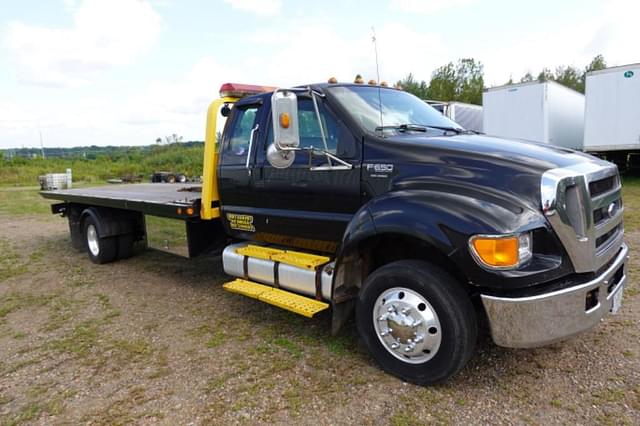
(309, 128)
(237, 145)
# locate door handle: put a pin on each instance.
(249, 149)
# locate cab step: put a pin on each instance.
(274, 296)
(306, 274)
(289, 257)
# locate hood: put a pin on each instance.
(539, 156)
(481, 165)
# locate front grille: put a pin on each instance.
(602, 240)
(603, 214)
(601, 186)
(583, 205)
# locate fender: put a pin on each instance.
(442, 220)
(110, 222)
(437, 218)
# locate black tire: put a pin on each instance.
(448, 300)
(107, 247)
(125, 246)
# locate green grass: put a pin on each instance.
(80, 341)
(16, 201)
(121, 162)
(163, 232)
(631, 199)
(11, 263)
(12, 302)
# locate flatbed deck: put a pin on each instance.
(158, 199)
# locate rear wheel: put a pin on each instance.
(416, 321)
(99, 249)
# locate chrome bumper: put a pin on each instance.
(528, 322)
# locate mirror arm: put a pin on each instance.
(322, 135)
(253, 133)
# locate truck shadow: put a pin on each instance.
(490, 364)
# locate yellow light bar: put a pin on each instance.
(496, 251)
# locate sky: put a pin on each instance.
(125, 72)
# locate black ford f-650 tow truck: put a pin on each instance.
(363, 198)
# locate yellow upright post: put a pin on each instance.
(210, 163)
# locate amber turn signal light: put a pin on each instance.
(496, 252)
(285, 120)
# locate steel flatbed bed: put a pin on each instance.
(179, 201)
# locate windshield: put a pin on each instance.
(398, 109)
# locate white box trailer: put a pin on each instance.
(468, 116)
(612, 114)
(537, 111)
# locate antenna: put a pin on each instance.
(41, 144)
(375, 49)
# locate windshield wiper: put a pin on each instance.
(421, 128)
(405, 128)
(456, 130)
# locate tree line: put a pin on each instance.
(464, 81)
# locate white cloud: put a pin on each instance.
(611, 32)
(426, 7)
(179, 106)
(259, 7)
(334, 54)
(104, 34)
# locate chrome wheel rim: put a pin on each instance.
(92, 240)
(407, 325)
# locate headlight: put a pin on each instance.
(501, 251)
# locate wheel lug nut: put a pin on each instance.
(405, 311)
(395, 346)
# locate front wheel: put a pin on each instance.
(416, 321)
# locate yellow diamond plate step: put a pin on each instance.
(289, 257)
(277, 297)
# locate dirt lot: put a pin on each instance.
(155, 339)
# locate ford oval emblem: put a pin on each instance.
(628, 74)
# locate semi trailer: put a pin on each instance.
(536, 111)
(364, 201)
(612, 114)
(467, 115)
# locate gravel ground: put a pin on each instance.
(154, 339)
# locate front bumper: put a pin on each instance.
(527, 322)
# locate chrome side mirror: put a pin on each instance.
(286, 136)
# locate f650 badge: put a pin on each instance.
(378, 168)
